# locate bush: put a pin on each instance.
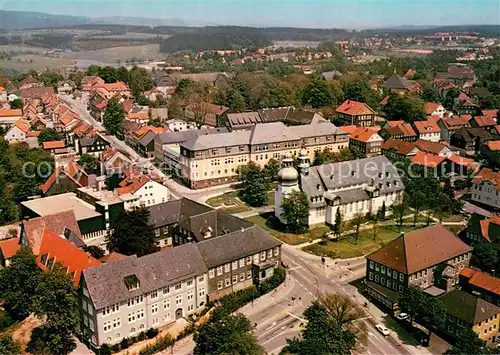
(115, 348)
(105, 349)
(161, 344)
(151, 333)
(125, 343)
(141, 336)
(5, 321)
(185, 332)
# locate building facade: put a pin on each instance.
(485, 188)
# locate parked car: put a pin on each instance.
(402, 316)
(383, 329)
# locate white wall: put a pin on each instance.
(152, 193)
(15, 135)
(486, 193)
(433, 137)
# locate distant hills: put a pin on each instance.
(18, 20)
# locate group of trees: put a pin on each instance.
(50, 295)
(255, 182)
(346, 154)
(333, 327)
(406, 108)
(114, 117)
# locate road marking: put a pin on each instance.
(295, 316)
(271, 325)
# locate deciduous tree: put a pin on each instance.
(317, 94)
(469, 343)
(16, 104)
(114, 117)
(357, 220)
(49, 134)
(254, 185)
(295, 209)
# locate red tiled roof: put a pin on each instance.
(33, 134)
(485, 226)
(430, 107)
(53, 144)
(11, 113)
(9, 247)
(73, 171)
(488, 175)
(409, 74)
(132, 182)
(141, 115)
(485, 121)
(22, 125)
(101, 104)
(490, 113)
(405, 129)
(113, 256)
(430, 147)
(426, 159)
(429, 126)
(354, 108)
(400, 146)
(57, 222)
(455, 122)
(349, 129)
(420, 249)
(118, 86)
(127, 105)
(457, 159)
(482, 280)
(363, 134)
(394, 123)
(493, 145)
(65, 252)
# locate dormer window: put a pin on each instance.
(353, 173)
(132, 282)
(44, 258)
(50, 263)
(376, 193)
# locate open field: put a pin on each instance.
(39, 63)
(347, 248)
(112, 55)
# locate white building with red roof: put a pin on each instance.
(434, 109)
(138, 190)
(428, 130)
(18, 132)
(485, 187)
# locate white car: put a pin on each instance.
(383, 329)
(402, 316)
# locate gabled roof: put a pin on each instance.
(58, 222)
(468, 307)
(402, 147)
(420, 249)
(210, 108)
(485, 121)
(11, 113)
(53, 144)
(426, 159)
(23, 125)
(132, 182)
(430, 107)
(63, 251)
(454, 122)
(9, 247)
(363, 134)
(493, 145)
(354, 108)
(490, 113)
(487, 175)
(404, 129)
(430, 126)
(395, 82)
(481, 280)
(72, 171)
(430, 147)
(458, 160)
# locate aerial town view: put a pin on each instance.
(240, 177)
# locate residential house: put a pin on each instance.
(164, 81)
(8, 248)
(65, 87)
(458, 165)
(449, 126)
(205, 114)
(357, 186)
(433, 163)
(139, 190)
(430, 258)
(367, 141)
(176, 125)
(29, 82)
(457, 74)
(18, 132)
(330, 75)
(396, 84)
(9, 116)
(159, 113)
(148, 292)
(467, 311)
(464, 106)
(88, 82)
(53, 146)
(113, 161)
(97, 107)
(486, 122)
(434, 109)
(470, 139)
(480, 284)
(357, 113)
(439, 149)
(396, 149)
(36, 92)
(209, 160)
(428, 130)
(93, 145)
(478, 94)
(146, 145)
(399, 130)
(485, 188)
(490, 114)
(65, 179)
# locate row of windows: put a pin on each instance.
(115, 323)
(111, 309)
(386, 282)
(139, 314)
(227, 282)
(385, 270)
(248, 261)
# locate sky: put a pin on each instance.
(294, 13)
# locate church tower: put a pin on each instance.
(288, 181)
(304, 162)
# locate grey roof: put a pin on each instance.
(243, 119)
(236, 245)
(330, 74)
(147, 138)
(183, 136)
(87, 142)
(322, 128)
(272, 133)
(268, 115)
(106, 284)
(194, 217)
(369, 173)
(205, 142)
(395, 82)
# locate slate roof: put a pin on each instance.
(468, 307)
(420, 249)
(274, 114)
(329, 75)
(106, 284)
(183, 136)
(395, 82)
(147, 138)
(369, 171)
(243, 119)
(233, 246)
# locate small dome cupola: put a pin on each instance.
(304, 162)
(288, 175)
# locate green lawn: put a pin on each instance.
(453, 218)
(348, 248)
(314, 233)
(228, 202)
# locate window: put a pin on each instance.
(178, 299)
(190, 282)
(201, 292)
(166, 290)
(234, 265)
(107, 326)
(178, 286)
(395, 274)
(388, 272)
(211, 273)
(235, 279)
(131, 317)
(256, 258)
(242, 276)
(370, 275)
(276, 251)
(190, 308)
(227, 282)
(401, 289)
(154, 308)
(377, 267)
(190, 295)
(263, 256)
(227, 268)
(401, 277)
(249, 275)
(371, 264)
(219, 285)
(269, 253)
(382, 269)
(249, 260)
(116, 322)
(242, 262)
(201, 279)
(156, 321)
(43, 259)
(219, 270)
(154, 295)
(166, 304)
(140, 314)
(376, 278)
